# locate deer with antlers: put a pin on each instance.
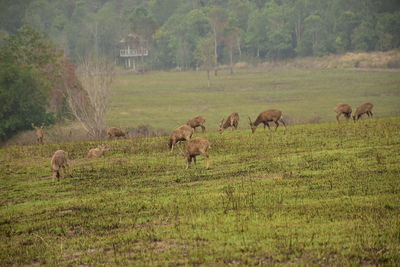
(39, 133)
(266, 117)
(232, 121)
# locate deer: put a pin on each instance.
(196, 122)
(267, 116)
(197, 146)
(39, 133)
(232, 121)
(115, 132)
(182, 133)
(365, 108)
(342, 109)
(98, 151)
(58, 161)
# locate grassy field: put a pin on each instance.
(314, 194)
(166, 100)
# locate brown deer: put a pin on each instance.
(98, 151)
(182, 133)
(365, 108)
(267, 116)
(58, 161)
(342, 109)
(197, 146)
(196, 122)
(232, 121)
(115, 132)
(39, 133)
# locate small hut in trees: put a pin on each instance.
(132, 48)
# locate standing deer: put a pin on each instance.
(365, 108)
(232, 121)
(267, 116)
(97, 152)
(39, 133)
(342, 109)
(182, 133)
(196, 122)
(115, 132)
(58, 161)
(197, 146)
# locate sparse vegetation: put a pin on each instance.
(323, 194)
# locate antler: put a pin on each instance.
(250, 120)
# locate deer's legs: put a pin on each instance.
(205, 155)
(337, 117)
(283, 122)
(277, 125)
(188, 161)
(203, 129)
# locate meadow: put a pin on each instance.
(311, 194)
(317, 194)
(165, 100)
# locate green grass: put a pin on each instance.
(313, 194)
(166, 100)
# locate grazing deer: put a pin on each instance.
(39, 133)
(267, 116)
(97, 152)
(115, 132)
(232, 121)
(58, 161)
(182, 133)
(342, 109)
(197, 146)
(365, 108)
(196, 122)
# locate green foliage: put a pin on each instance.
(29, 71)
(323, 194)
(269, 29)
(22, 99)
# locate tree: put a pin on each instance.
(30, 72)
(88, 100)
(205, 55)
(218, 19)
(23, 98)
(231, 39)
(256, 36)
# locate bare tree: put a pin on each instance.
(89, 101)
(232, 39)
(218, 18)
(205, 55)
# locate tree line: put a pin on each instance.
(191, 33)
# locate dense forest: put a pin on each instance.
(176, 31)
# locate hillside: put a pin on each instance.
(311, 194)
